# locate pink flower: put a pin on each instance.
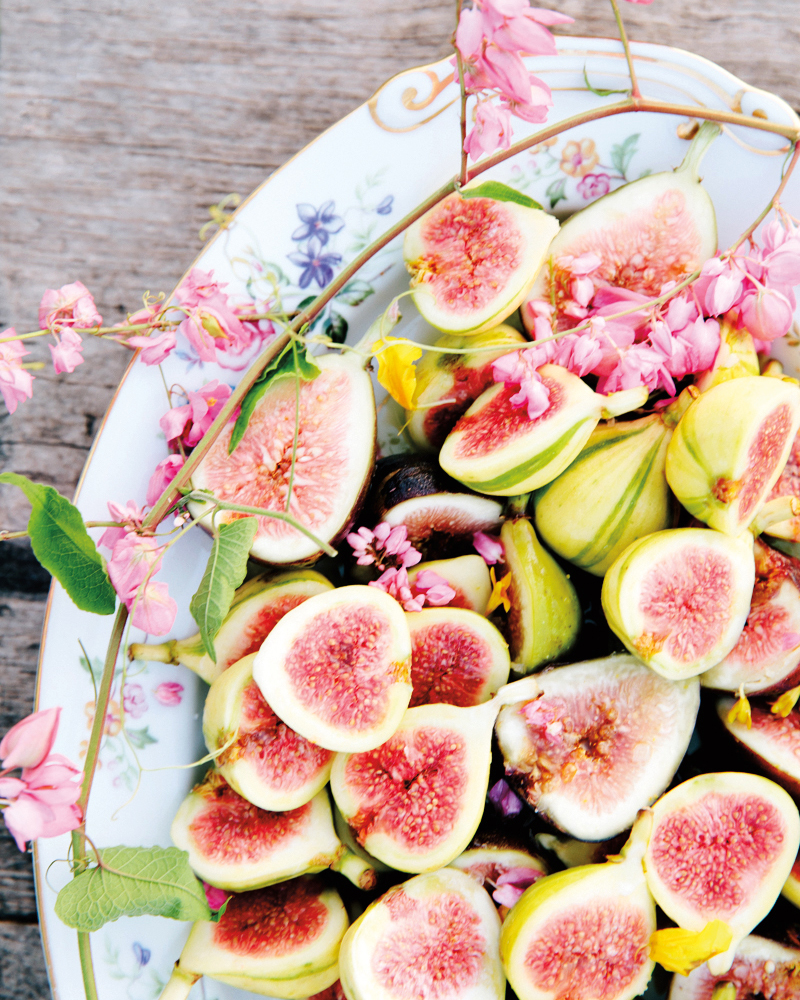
(211, 322)
(511, 884)
(133, 559)
(373, 547)
(519, 368)
(15, 383)
(719, 286)
(169, 693)
(155, 348)
(504, 800)
(68, 306)
(131, 515)
(28, 742)
(154, 611)
(67, 351)
(437, 590)
(594, 185)
(767, 314)
(395, 583)
(166, 470)
(134, 700)
(492, 130)
(215, 897)
(489, 548)
(191, 421)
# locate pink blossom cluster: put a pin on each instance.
(389, 550)
(41, 802)
(491, 38)
(135, 559)
(62, 311)
(511, 884)
(188, 423)
(16, 384)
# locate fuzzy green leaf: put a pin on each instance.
(154, 880)
(499, 192)
(61, 544)
(225, 571)
(280, 367)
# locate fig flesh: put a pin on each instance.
(771, 740)
(256, 607)
(648, 232)
(457, 380)
(467, 575)
(730, 447)
(612, 494)
(679, 599)
(282, 941)
(721, 848)
(334, 459)
(595, 742)
(761, 968)
(457, 657)
(496, 448)
(435, 937)
(416, 801)
(791, 888)
(767, 655)
(473, 260)
(736, 357)
(439, 516)
(545, 614)
(234, 845)
(259, 756)
(337, 668)
(788, 484)
(487, 862)
(582, 933)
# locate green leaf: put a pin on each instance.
(61, 544)
(225, 571)
(599, 91)
(355, 291)
(154, 880)
(279, 367)
(555, 192)
(336, 328)
(499, 192)
(622, 154)
(140, 738)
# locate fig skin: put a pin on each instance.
(772, 743)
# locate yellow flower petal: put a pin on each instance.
(396, 371)
(786, 702)
(741, 710)
(681, 951)
(499, 592)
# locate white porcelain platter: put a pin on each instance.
(368, 170)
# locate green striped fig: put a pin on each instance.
(730, 447)
(545, 615)
(613, 493)
(496, 448)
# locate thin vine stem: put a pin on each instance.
(623, 37)
(773, 202)
(462, 174)
(296, 437)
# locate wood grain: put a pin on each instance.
(121, 121)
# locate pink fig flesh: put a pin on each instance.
(767, 655)
(772, 741)
(788, 484)
(761, 968)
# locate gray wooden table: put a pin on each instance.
(120, 123)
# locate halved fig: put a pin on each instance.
(612, 494)
(282, 941)
(679, 598)
(467, 575)
(256, 607)
(440, 517)
(456, 379)
(435, 937)
(582, 933)
(416, 801)
(721, 847)
(767, 655)
(486, 859)
(545, 615)
(788, 484)
(730, 447)
(791, 887)
(337, 668)
(648, 232)
(771, 740)
(761, 968)
(571, 852)
(735, 358)
(473, 260)
(457, 657)
(496, 448)
(235, 845)
(590, 744)
(334, 458)
(260, 757)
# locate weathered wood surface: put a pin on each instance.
(121, 123)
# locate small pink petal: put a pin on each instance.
(28, 742)
(169, 693)
(489, 548)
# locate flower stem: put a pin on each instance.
(773, 202)
(623, 37)
(462, 176)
